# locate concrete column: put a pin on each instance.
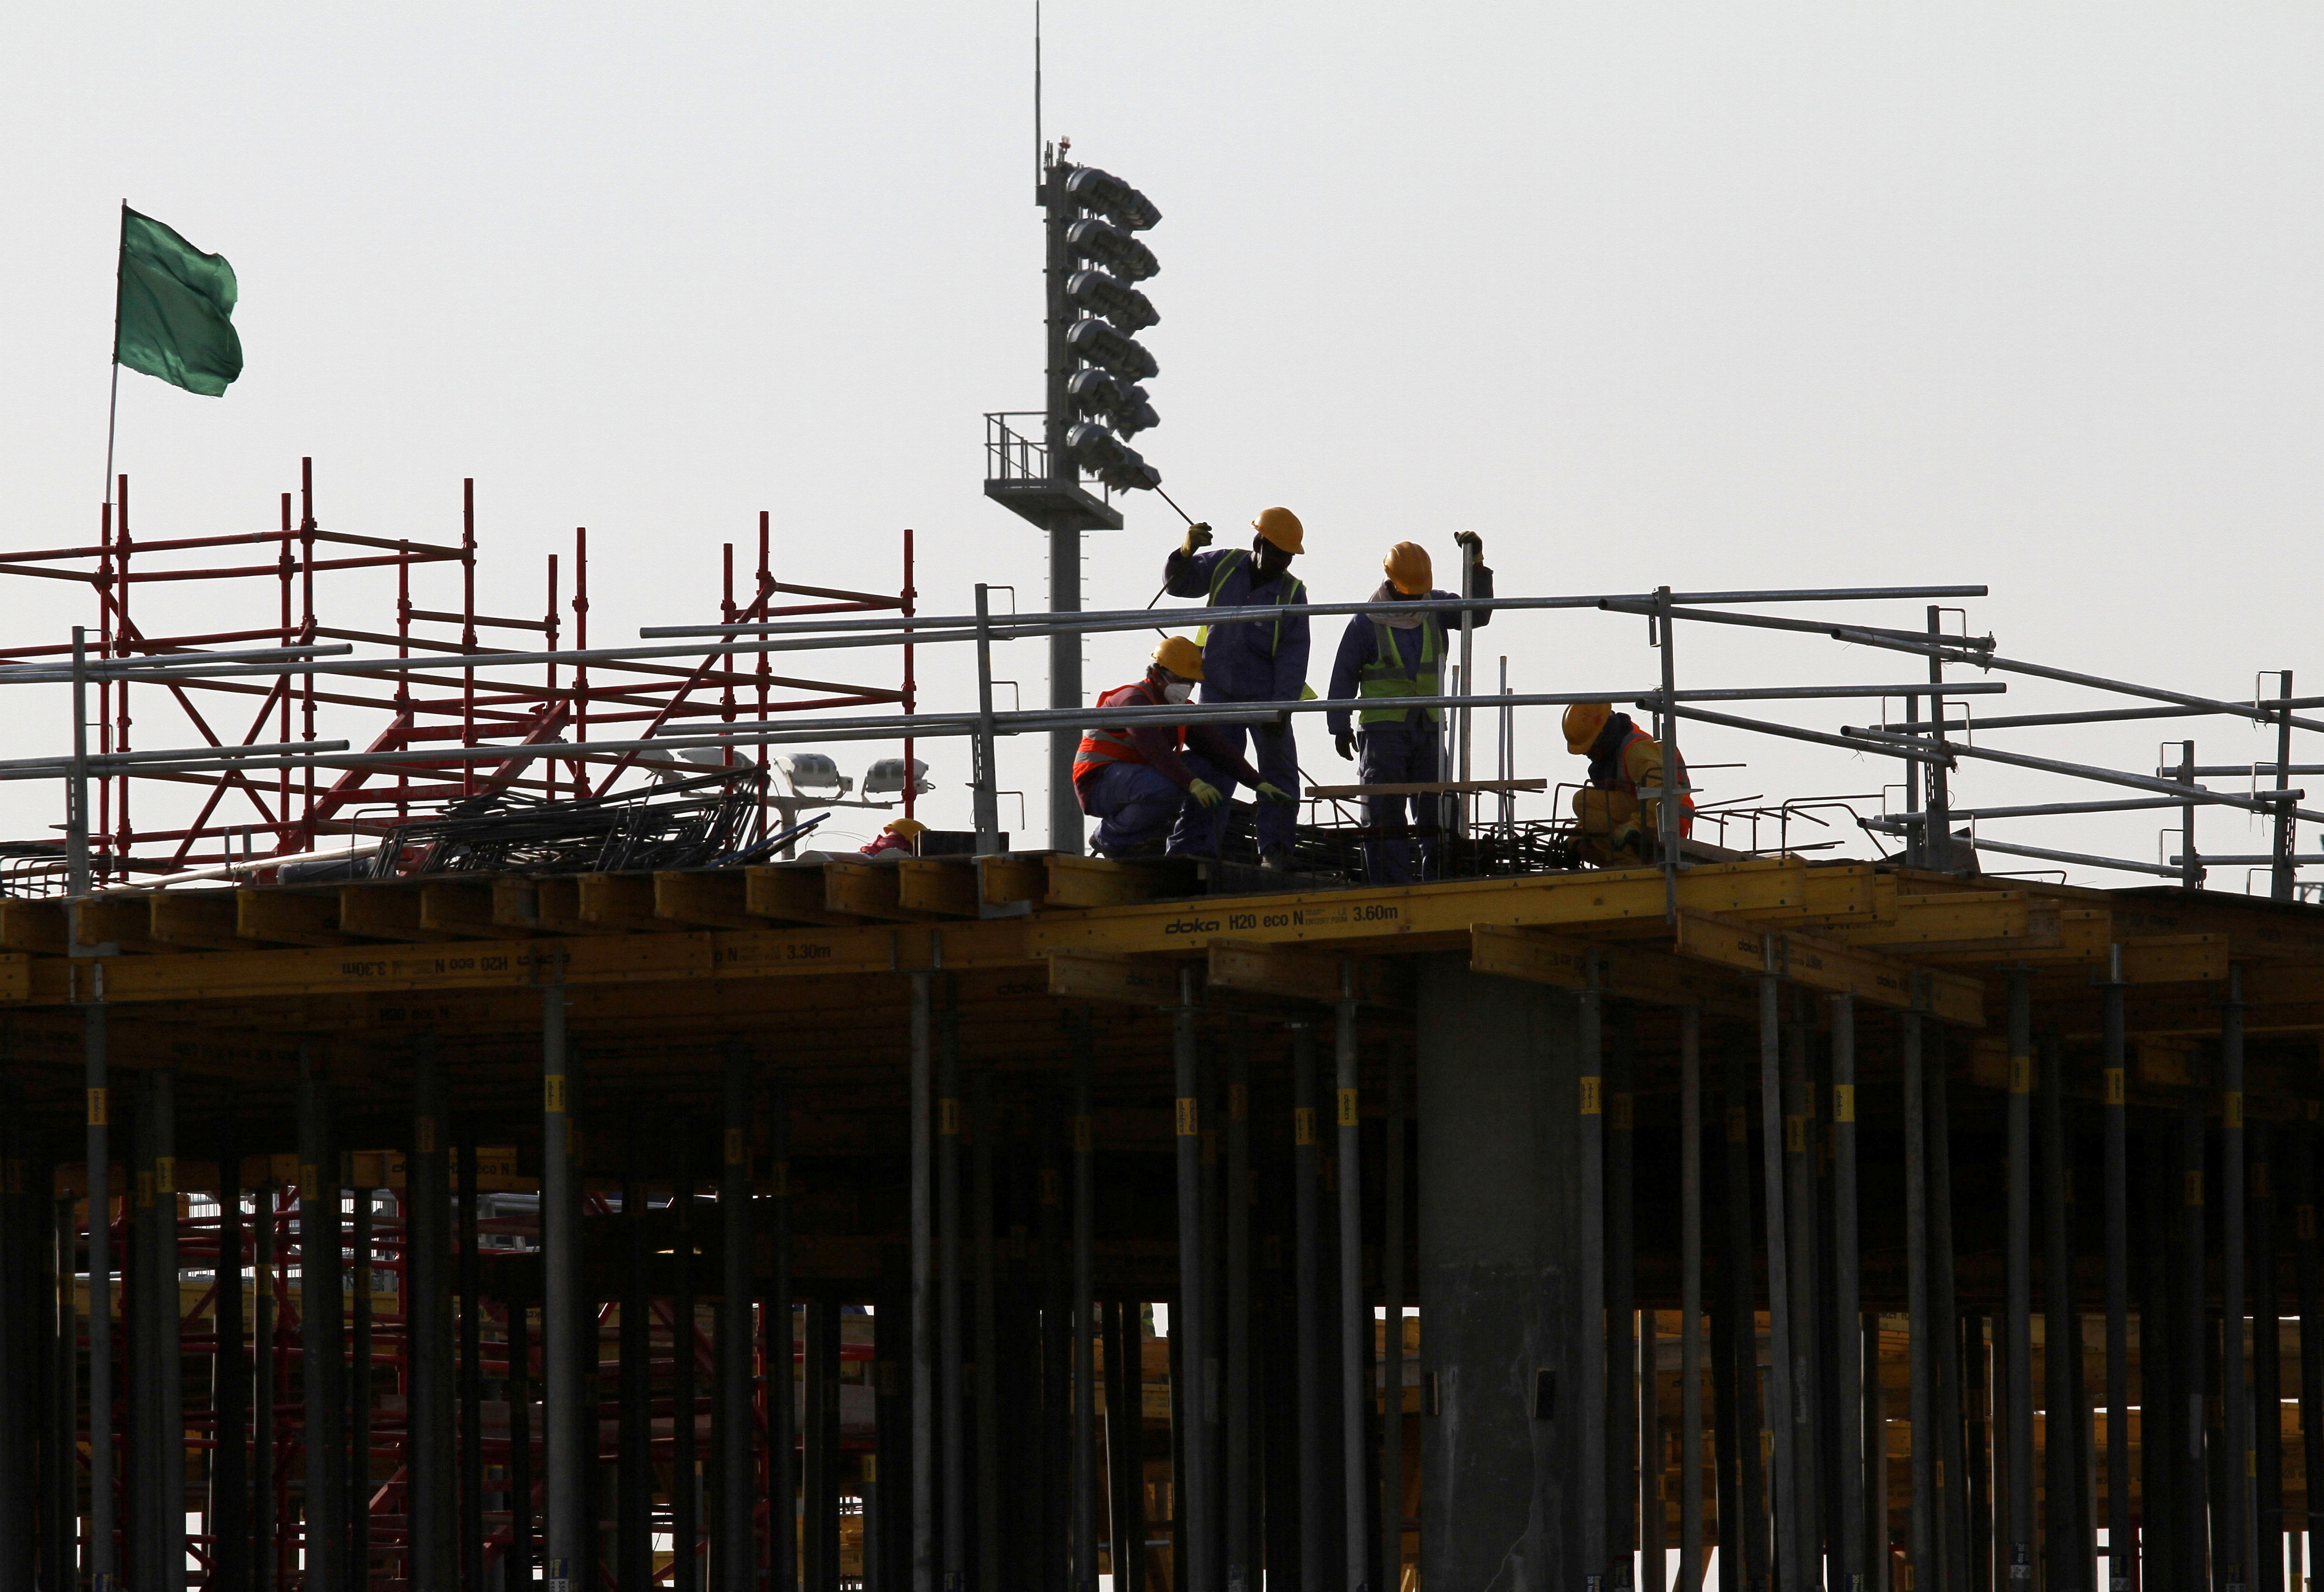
(1505, 1448)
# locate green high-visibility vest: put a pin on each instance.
(1384, 676)
(1291, 591)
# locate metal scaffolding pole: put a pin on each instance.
(734, 1561)
(2071, 1551)
(1315, 1549)
(1848, 1333)
(952, 1352)
(1392, 1424)
(2018, 1412)
(1187, 1321)
(924, 1300)
(560, 1258)
(1596, 1547)
(472, 1372)
(100, 1556)
(1084, 1312)
(1923, 1350)
(1791, 1553)
(318, 1335)
(2232, 1532)
(2122, 1546)
(1355, 1306)
(435, 1562)
(781, 1353)
(1690, 1260)
(633, 1395)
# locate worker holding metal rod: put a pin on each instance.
(1138, 781)
(1243, 662)
(1387, 655)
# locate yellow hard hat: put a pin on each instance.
(1409, 570)
(1583, 722)
(1281, 526)
(910, 828)
(1181, 656)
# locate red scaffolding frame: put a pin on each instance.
(419, 712)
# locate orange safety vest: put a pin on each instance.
(1102, 746)
(1623, 782)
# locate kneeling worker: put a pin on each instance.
(1385, 656)
(1618, 829)
(1136, 780)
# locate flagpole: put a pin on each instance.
(113, 405)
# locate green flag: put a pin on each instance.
(174, 317)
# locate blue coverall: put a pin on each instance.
(1247, 662)
(1403, 750)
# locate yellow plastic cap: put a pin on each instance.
(910, 828)
(1281, 526)
(1583, 722)
(1181, 656)
(1409, 570)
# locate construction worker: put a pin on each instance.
(1385, 656)
(1139, 780)
(899, 834)
(1247, 662)
(1617, 827)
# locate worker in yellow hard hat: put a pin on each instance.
(899, 834)
(1247, 661)
(1618, 826)
(1139, 779)
(1398, 652)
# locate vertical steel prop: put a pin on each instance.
(1084, 1307)
(2122, 1549)
(1847, 1335)
(1315, 1550)
(954, 1466)
(1783, 1413)
(734, 1561)
(1392, 1423)
(923, 1293)
(1355, 1310)
(2017, 1326)
(318, 1335)
(2231, 1532)
(561, 1256)
(1187, 1320)
(1690, 1261)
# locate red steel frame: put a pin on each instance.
(288, 814)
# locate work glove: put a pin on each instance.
(1275, 792)
(1204, 792)
(1346, 742)
(1471, 543)
(1198, 535)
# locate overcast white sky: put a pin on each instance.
(1712, 295)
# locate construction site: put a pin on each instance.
(464, 1129)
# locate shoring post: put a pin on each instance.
(1619, 1331)
(100, 1556)
(2122, 1549)
(1667, 811)
(2267, 1369)
(1355, 1308)
(686, 1500)
(1922, 1523)
(2230, 1532)
(319, 1334)
(1187, 1321)
(1392, 1358)
(472, 1370)
(1789, 1552)
(1738, 1373)
(2069, 1553)
(734, 1563)
(1084, 1366)
(230, 1448)
(1307, 1260)
(781, 1353)
(1689, 1327)
(517, 1564)
(982, 1127)
(1125, 1440)
(166, 1416)
(1801, 1154)
(1589, 1464)
(953, 1420)
(1961, 1465)
(2018, 1331)
(363, 1249)
(1848, 1333)
(265, 1546)
(2311, 1324)
(633, 1441)
(2200, 1557)
(430, 1450)
(924, 1300)
(560, 1255)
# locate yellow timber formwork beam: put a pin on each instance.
(1827, 965)
(1631, 972)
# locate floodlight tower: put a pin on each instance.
(1094, 402)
